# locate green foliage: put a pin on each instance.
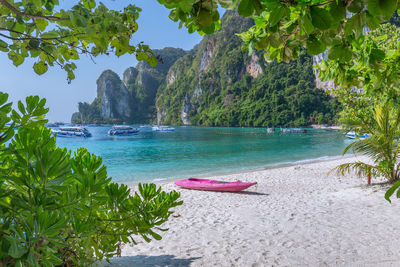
(144, 88)
(382, 148)
(62, 209)
(374, 69)
(222, 93)
(88, 113)
(282, 27)
(38, 29)
(197, 15)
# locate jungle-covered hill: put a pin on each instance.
(214, 84)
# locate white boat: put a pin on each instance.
(354, 135)
(122, 130)
(72, 132)
(145, 128)
(160, 128)
(293, 130)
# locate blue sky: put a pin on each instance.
(155, 29)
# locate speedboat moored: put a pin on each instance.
(354, 135)
(122, 130)
(162, 129)
(72, 132)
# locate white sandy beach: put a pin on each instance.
(296, 216)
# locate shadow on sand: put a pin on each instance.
(252, 193)
(149, 261)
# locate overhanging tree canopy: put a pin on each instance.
(37, 29)
(282, 26)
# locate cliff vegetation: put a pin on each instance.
(214, 84)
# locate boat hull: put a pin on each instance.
(354, 135)
(69, 134)
(213, 185)
(122, 132)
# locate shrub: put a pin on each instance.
(62, 209)
(382, 148)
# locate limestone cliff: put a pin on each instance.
(216, 83)
(132, 99)
(115, 99)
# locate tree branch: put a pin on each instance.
(22, 14)
(29, 37)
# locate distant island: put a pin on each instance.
(214, 84)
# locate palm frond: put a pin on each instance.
(358, 167)
(369, 147)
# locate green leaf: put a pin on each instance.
(32, 259)
(382, 7)
(371, 21)
(21, 107)
(355, 25)
(257, 6)
(16, 251)
(307, 25)
(315, 46)
(3, 46)
(228, 4)
(16, 58)
(376, 55)
(276, 15)
(246, 8)
(337, 11)
(391, 191)
(155, 235)
(205, 18)
(40, 67)
(356, 6)
(186, 5)
(341, 53)
(321, 18)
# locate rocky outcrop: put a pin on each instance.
(76, 116)
(130, 75)
(132, 99)
(185, 110)
(161, 115)
(327, 85)
(115, 99)
(207, 56)
(254, 68)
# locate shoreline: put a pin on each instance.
(295, 216)
(251, 170)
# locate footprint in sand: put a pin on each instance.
(287, 244)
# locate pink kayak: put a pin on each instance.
(213, 185)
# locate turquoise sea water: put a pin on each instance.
(199, 151)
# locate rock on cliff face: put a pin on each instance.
(129, 76)
(115, 99)
(254, 68)
(318, 83)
